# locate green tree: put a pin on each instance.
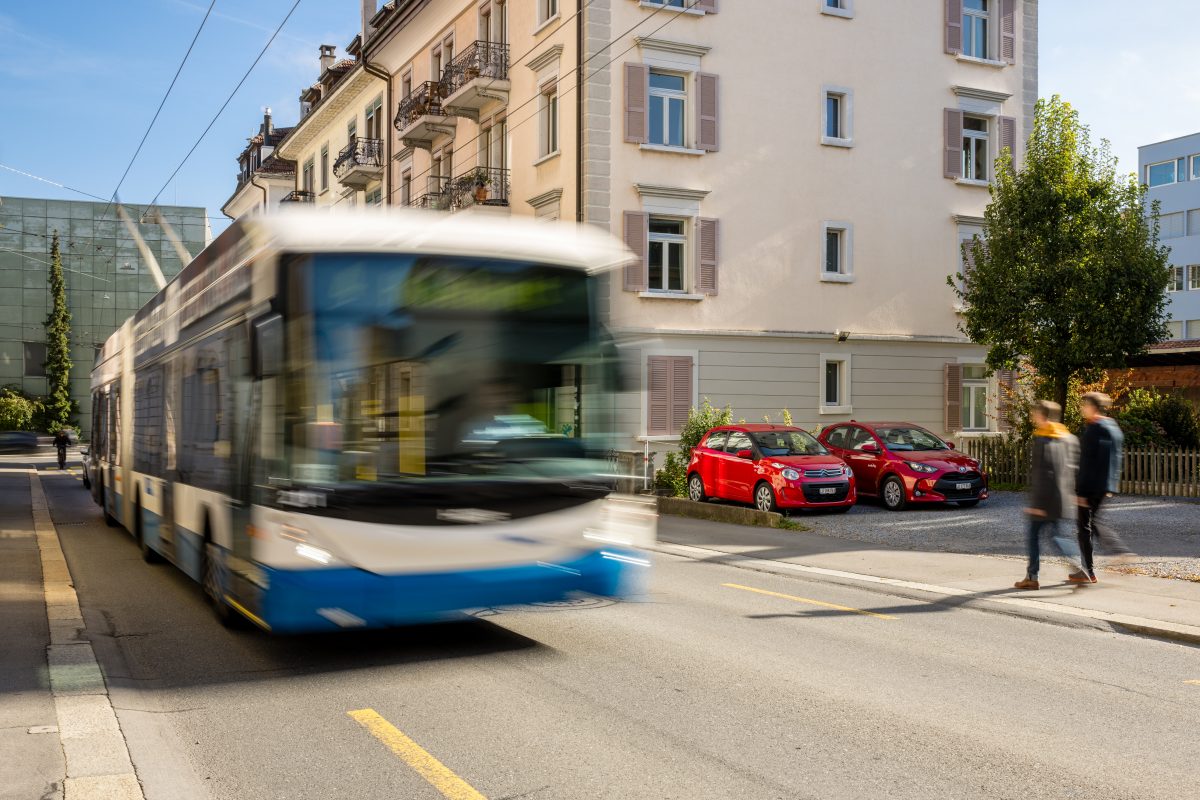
(1072, 278)
(58, 405)
(17, 410)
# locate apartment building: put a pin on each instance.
(797, 192)
(1171, 172)
(264, 178)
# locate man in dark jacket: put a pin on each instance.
(1051, 491)
(1099, 476)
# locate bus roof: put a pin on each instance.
(478, 234)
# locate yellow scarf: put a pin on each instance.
(1054, 430)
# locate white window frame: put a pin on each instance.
(841, 8)
(548, 123)
(845, 98)
(1194, 171)
(845, 231)
(694, 355)
(1193, 277)
(667, 95)
(989, 123)
(844, 404)
(1178, 280)
(548, 11)
(987, 18)
(1174, 172)
(308, 175)
(683, 240)
(1192, 329)
(373, 197)
(986, 384)
(324, 167)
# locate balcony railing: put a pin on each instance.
(359, 153)
(299, 196)
(480, 186)
(425, 100)
(480, 60)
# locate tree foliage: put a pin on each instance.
(57, 405)
(18, 411)
(1072, 277)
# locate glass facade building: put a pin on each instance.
(107, 279)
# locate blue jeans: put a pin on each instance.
(1066, 544)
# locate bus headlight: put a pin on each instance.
(626, 520)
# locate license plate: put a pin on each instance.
(962, 486)
(828, 490)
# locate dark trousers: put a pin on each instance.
(1092, 530)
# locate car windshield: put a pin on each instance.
(788, 443)
(917, 439)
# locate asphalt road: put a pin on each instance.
(720, 682)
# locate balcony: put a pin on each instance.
(478, 186)
(421, 116)
(299, 196)
(477, 77)
(359, 163)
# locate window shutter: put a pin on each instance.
(1008, 31)
(953, 122)
(954, 26)
(1008, 136)
(637, 234)
(1007, 380)
(658, 390)
(707, 253)
(969, 256)
(637, 90)
(953, 394)
(708, 131)
(707, 6)
(681, 392)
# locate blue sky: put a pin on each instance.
(81, 80)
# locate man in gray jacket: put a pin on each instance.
(1099, 476)
(1052, 492)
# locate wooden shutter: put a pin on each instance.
(637, 91)
(1007, 381)
(637, 235)
(953, 122)
(707, 6)
(707, 251)
(1008, 136)
(681, 392)
(1008, 31)
(658, 391)
(952, 384)
(954, 26)
(708, 133)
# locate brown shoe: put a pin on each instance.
(1027, 583)
(1079, 578)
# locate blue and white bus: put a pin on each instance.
(372, 419)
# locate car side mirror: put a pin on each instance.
(745, 454)
(869, 447)
(83, 452)
(950, 445)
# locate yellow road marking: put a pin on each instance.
(807, 600)
(438, 774)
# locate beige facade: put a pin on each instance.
(264, 178)
(796, 176)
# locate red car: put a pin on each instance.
(771, 466)
(902, 463)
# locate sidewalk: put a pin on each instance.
(1154, 606)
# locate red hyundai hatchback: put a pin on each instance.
(902, 463)
(772, 466)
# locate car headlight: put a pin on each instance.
(847, 471)
(917, 466)
(791, 474)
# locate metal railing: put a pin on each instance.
(299, 196)
(424, 100)
(359, 153)
(437, 198)
(480, 60)
(483, 186)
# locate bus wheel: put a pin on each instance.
(109, 519)
(216, 577)
(149, 554)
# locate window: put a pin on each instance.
(975, 149)
(1170, 226)
(1177, 277)
(836, 251)
(665, 255)
(1196, 167)
(669, 394)
(834, 384)
(716, 441)
(833, 4)
(966, 249)
(668, 94)
(1160, 174)
(406, 84)
(833, 116)
(838, 8)
(974, 398)
(406, 187)
(374, 118)
(547, 10)
(35, 359)
(1193, 222)
(374, 198)
(435, 63)
(738, 442)
(1175, 329)
(1194, 278)
(324, 168)
(351, 130)
(975, 28)
(837, 116)
(549, 122)
(833, 250)
(1193, 328)
(306, 176)
(838, 437)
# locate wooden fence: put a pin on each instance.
(1153, 471)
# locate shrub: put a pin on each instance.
(1152, 419)
(671, 480)
(18, 411)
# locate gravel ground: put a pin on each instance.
(1163, 532)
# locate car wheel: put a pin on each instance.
(764, 498)
(968, 503)
(696, 489)
(893, 494)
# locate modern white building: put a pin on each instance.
(1171, 171)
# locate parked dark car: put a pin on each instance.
(772, 466)
(902, 463)
(18, 442)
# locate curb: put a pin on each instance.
(97, 758)
(736, 515)
(1039, 610)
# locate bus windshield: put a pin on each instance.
(420, 368)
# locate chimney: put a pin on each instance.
(327, 57)
(267, 126)
(368, 11)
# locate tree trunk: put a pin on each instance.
(1061, 387)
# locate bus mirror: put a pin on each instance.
(267, 346)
